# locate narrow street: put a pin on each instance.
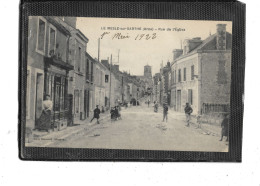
(142, 128)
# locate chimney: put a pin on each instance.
(177, 53)
(191, 44)
(221, 37)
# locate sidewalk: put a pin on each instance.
(207, 128)
(49, 137)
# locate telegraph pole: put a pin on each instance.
(98, 48)
(110, 81)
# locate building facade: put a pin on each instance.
(48, 70)
(201, 73)
(89, 93)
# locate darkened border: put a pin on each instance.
(199, 10)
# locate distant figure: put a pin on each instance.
(102, 109)
(224, 126)
(199, 120)
(188, 110)
(96, 114)
(165, 112)
(155, 106)
(112, 113)
(148, 102)
(44, 122)
(117, 113)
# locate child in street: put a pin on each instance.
(199, 121)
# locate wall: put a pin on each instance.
(214, 88)
(184, 86)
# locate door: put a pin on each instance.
(85, 103)
(88, 103)
(70, 109)
(179, 100)
(38, 95)
(57, 94)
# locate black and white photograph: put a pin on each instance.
(124, 83)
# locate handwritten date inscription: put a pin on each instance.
(126, 36)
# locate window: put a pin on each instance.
(106, 78)
(179, 75)
(87, 70)
(76, 101)
(175, 76)
(192, 72)
(79, 58)
(41, 36)
(172, 80)
(190, 101)
(52, 41)
(92, 69)
(184, 74)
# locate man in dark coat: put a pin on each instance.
(165, 112)
(224, 126)
(188, 110)
(96, 114)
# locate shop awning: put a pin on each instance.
(58, 62)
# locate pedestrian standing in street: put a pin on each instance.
(148, 102)
(44, 122)
(165, 112)
(188, 110)
(96, 114)
(224, 126)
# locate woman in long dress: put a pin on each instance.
(224, 126)
(44, 122)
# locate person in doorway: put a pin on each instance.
(165, 112)
(224, 126)
(44, 122)
(96, 114)
(188, 110)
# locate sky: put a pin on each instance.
(138, 49)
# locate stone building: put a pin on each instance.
(48, 68)
(77, 48)
(89, 93)
(156, 87)
(201, 73)
(99, 79)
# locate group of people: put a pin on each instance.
(115, 113)
(44, 121)
(188, 110)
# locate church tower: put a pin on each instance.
(147, 71)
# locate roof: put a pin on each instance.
(208, 44)
(90, 57)
(82, 36)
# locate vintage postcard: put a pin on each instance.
(124, 83)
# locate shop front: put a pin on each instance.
(56, 85)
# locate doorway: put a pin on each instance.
(179, 100)
(38, 96)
